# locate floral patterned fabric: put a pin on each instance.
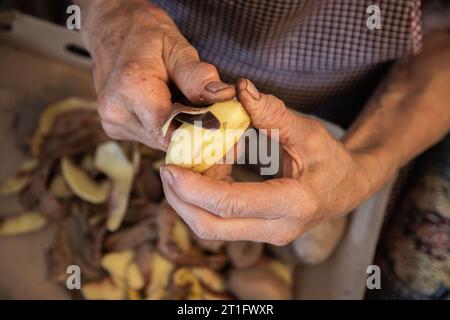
(414, 252)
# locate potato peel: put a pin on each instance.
(49, 116)
(160, 272)
(117, 263)
(28, 166)
(134, 278)
(82, 185)
(111, 160)
(59, 188)
(184, 277)
(179, 108)
(14, 185)
(181, 236)
(134, 295)
(17, 183)
(102, 290)
(210, 278)
(24, 223)
(149, 257)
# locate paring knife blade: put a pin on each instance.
(205, 120)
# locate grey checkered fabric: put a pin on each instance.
(316, 55)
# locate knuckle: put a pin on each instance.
(230, 206)
(199, 73)
(181, 49)
(110, 131)
(140, 17)
(103, 106)
(191, 94)
(110, 112)
(207, 68)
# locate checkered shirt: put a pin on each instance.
(318, 56)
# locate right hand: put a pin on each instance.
(136, 50)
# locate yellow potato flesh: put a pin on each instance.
(160, 272)
(20, 180)
(14, 185)
(210, 278)
(59, 188)
(103, 290)
(184, 277)
(112, 161)
(24, 223)
(181, 237)
(116, 263)
(199, 148)
(82, 185)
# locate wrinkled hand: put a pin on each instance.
(320, 180)
(137, 50)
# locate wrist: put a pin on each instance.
(375, 168)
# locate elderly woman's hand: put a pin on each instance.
(137, 49)
(319, 180)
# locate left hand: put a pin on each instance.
(320, 180)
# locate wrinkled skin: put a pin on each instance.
(317, 172)
(137, 50)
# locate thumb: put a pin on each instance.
(267, 111)
(199, 81)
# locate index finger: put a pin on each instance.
(270, 199)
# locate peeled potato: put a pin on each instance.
(82, 185)
(134, 295)
(198, 148)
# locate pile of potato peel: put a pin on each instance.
(107, 202)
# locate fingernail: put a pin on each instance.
(251, 89)
(241, 84)
(217, 86)
(166, 175)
